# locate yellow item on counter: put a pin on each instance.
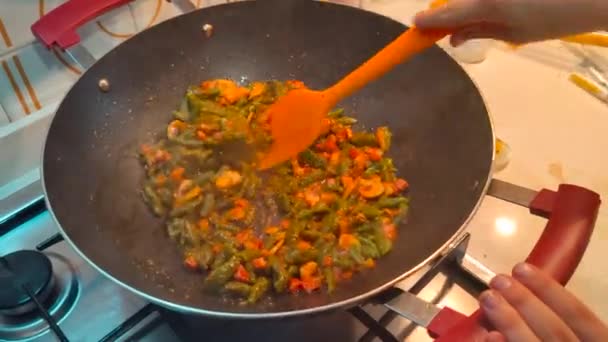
(589, 86)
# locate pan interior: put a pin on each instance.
(442, 138)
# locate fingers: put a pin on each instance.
(504, 317)
(582, 321)
(495, 336)
(478, 31)
(538, 317)
(456, 14)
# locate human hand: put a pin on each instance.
(531, 306)
(516, 21)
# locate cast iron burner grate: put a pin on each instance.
(19, 270)
(37, 291)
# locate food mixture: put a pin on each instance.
(305, 225)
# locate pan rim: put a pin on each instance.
(350, 302)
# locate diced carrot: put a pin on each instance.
(237, 213)
(228, 179)
(160, 180)
(285, 223)
(401, 184)
(344, 134)
(295, 284)
(253, 243)
(201, 135)
(208, 128)
(308, 270)
(334, 158)
(375, 154)
(347, 181)
(344, 225)
(174, 128)
(390, 231)
(361, 161)
(347, 240)
(369, 263)
(371, 188)
(259, 263)
(177, 174)
(241, 274)
(353, 153)
(217, 248)
(328, 261)
(328, 197)
(207, 84)
(389, 188)
(311, 197)
(157, 156)
(191, 263)
(271, 230)
(311, 284)
(329, 144)
(145, 148)
(241, 202)
(203, 224)
(257, 89)
(345, 275)
(303, 245)
(360, 218)
(234, 94)
(243, 236)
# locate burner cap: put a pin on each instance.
(23, 267)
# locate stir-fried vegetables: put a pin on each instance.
(306, 224)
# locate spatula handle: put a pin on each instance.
(399, 50)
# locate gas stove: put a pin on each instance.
(51, 293)
(48, 293)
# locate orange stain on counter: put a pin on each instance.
(15, 87)
(4, 35)
(27, 83)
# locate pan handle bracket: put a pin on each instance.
(571, 212)
(58, 27)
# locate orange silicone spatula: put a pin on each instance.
(296, 118)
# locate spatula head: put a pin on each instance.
(295, 121)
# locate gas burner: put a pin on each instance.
(52, 279)
(18, 270)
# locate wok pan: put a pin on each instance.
(443, 142)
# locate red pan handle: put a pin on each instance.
(58, 27)
(572, 212)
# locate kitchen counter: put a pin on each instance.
(554, 129)
(556, 133)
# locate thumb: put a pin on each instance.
(455, 14)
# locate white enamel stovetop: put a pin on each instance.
(556, 131)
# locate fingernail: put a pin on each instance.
(522, 270)
(489, 300)
(500, 283)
